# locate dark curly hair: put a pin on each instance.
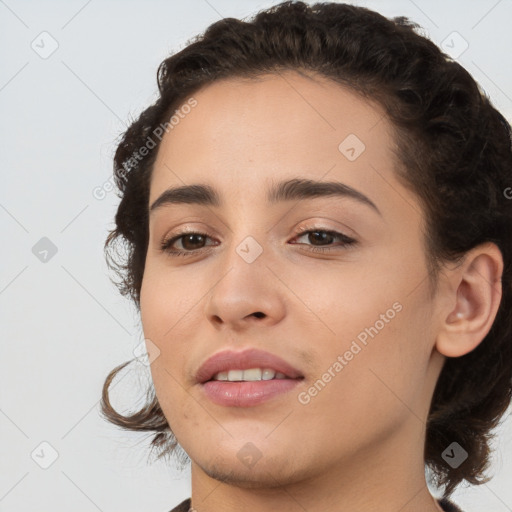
(454, 153)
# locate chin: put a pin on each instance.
(244, 468)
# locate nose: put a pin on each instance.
(247, 294)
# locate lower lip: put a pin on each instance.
(246, 394)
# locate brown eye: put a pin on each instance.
(322, 239)
(190, 242)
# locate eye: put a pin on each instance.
(324, 239)
(190, 241)
(193, 242)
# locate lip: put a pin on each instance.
(250, 393)
(246, 394)
(244, 360)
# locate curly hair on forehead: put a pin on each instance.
(453, 150)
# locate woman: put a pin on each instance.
(318, 238)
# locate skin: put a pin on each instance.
(357, 444)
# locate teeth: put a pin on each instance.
(268, 374)
(252, 374)
(235, 375)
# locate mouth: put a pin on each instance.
(250, 375)
(247, 365)
(247, 378)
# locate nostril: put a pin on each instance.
(259, 314)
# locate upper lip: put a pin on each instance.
(250, 358)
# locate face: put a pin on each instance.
(335, 285)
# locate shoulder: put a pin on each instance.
(182, 507)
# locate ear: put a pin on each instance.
(473, 300)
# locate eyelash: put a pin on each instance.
(166, 244)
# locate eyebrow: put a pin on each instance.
(290, 190)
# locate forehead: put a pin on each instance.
(245, 132)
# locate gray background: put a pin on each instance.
(64, 326)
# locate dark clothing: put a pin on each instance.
(448, 506)
(445, 504)
(183, 506)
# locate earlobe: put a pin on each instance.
(477, 296)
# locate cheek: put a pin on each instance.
(374, 339)
(166, 305)
(161, 311)
(363, 390)
(168, 298)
